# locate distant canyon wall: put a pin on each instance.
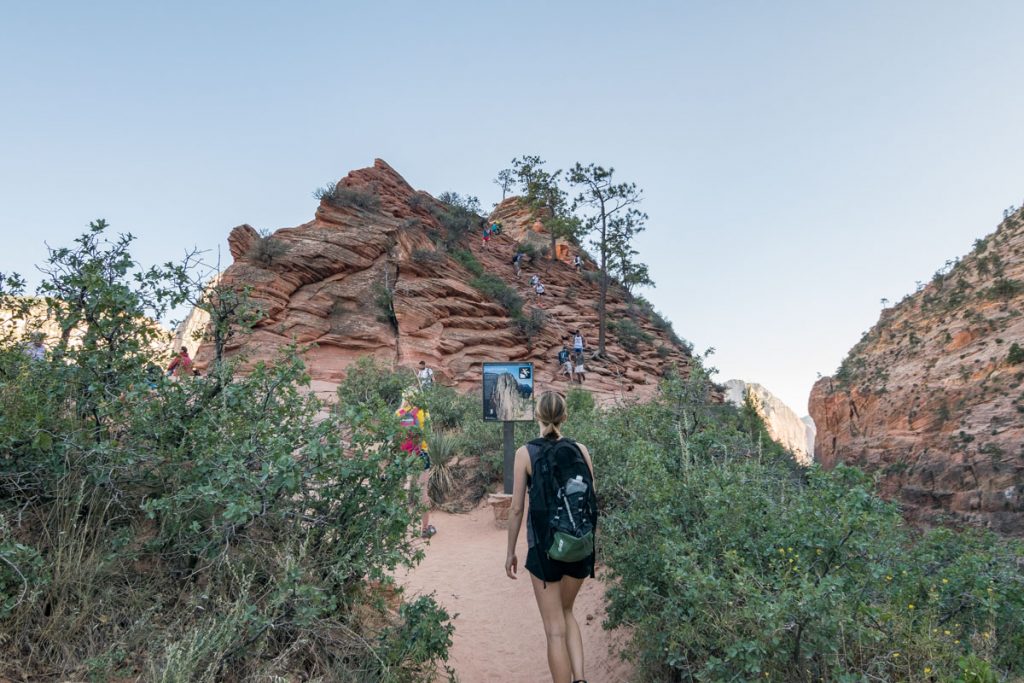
(796, 434)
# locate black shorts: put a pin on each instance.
(548, 570)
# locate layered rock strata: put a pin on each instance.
(932, 397)
(368, 276)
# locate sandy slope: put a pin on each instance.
(498, 631)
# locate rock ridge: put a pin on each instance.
(931, 397)
(369, 275)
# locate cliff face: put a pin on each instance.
(784, 425)
(932, 397)
(507, 400)
(367, 276)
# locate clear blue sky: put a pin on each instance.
(800, 160)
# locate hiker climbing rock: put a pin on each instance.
(560, 528)
(414, 421)
(579, 345)
(517, 262)
(565, 361)
(487, 234)
(577, 263)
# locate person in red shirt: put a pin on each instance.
(415, 421)
(181, 364)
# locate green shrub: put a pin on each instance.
(338, 195)
(446, 406)
(384, 300)
(495, 289)
(629, 335)
(369, 382)
(579, 404)
(727, 562)
(458, 219)
(429, 256)
(1005, 288)
(266, 250)
(1016, 354)
(530, 325)
(467, 203)
(468, 261)
(198, 529)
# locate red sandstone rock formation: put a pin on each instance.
(327, 283)
(929, 398)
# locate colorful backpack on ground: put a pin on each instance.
(563, 507)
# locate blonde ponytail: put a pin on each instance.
(551, 413)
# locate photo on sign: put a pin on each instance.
(508, 392)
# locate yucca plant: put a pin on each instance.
(442, 445)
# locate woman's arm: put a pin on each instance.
(515, 512)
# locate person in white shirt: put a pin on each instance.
(36, 350)
(425, 375)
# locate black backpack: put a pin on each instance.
(563, 507)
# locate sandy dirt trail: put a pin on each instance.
(498, 631)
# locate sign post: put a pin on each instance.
(508, 436)
(508, 398)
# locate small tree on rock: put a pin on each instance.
(613, 219)
(544, 194)
(506, 180)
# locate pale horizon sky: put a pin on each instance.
(800, 160)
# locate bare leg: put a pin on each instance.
(573, 637)
(549, 600)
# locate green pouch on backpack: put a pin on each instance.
(568, 548)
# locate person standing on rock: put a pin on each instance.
(577, 263)
(538, 292)
(414, 421)
(487, 234)
(425, 376)
(555, 583)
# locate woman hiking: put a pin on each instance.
(555, 583)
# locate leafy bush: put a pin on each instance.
(727, 562)
(530, 251)
(629, 334)
(458, 221)
(340, 196)
(446, 406)
(495, 289)
(467, 203)
(219, 527)
(429, 256)
(1015, 355)
(418, 201)
(384, 299)
(529, 326)
(468, 261)
(373, 384)
(266, 250)
(1005, 288)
